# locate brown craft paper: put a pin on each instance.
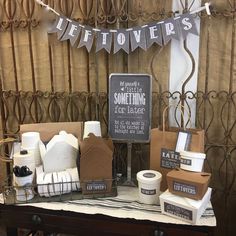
(96, 156)
(48, 130)
(167, 138)
(193, 184)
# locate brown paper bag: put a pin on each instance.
(165, 141)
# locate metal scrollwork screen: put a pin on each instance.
(45, 80)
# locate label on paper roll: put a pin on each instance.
(148, 191)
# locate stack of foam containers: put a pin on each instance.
(188, 193)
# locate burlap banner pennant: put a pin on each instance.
(59, 26)
(187, 25)
(121, 40)
(138, 38)
(87, 37)
(126, 39)
(104, 40)
(153, 34)
(72, 32)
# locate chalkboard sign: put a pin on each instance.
(130, 107)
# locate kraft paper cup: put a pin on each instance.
(192, 161)
(92, 127)
(149, 186)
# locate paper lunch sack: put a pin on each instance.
(164, 141)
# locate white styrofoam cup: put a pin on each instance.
(92, 127)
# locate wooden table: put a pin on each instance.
(82, 218)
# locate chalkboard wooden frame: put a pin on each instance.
(140, 87)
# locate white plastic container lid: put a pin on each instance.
(193, 154)
(149, 176)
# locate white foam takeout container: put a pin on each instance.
(60, 153)
(192, 161)
(183, 208)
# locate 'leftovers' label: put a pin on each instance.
(96, 186)
(184, 188)
(178, 211)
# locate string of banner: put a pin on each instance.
(125, 39)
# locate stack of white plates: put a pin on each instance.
(57, 183)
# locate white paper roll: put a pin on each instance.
(92, 127)
(27, 159)
(30, 140)
(36, 154)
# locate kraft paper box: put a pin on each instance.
(96, 156)
(48, 130)
(61, 155)
(186, 209)
(188, 184)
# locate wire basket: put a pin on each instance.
(30, 193)
(52, 192)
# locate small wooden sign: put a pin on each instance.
(130, 107)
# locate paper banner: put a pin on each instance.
(72, 32)
(153, 34)
(187, 25)
(104, 40)
(121, 40)
(169, 30)
(59, 26)
(141, 36)
(138, 38)
(87, 37)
